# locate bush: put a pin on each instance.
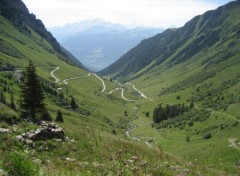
(59, 117)
(190, 123)
(147, 114)
(19, 165)
(207, 136)
(46, 116)
(114, 132)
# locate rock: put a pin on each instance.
(71, 159)
(83, 164)
(48, 162)
(29, 142)
(37, 161)
(4, 130)
(43, 148)
(46, 131)
(20, 137)
(135, 158)
(15, 128)
(3, 173)
(95, 164)
(58, 140)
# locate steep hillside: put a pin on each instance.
(17, 13)
(98, 43)
(198, 63)
(213, 35)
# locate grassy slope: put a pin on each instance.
(214, 152)
(93, 141)
(164, 84)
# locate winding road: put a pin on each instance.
(133, 127)
(56, 79)
(122, 94)
(141, 94)
(104, 86)
(65, 81)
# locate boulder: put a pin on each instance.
(4, 130)
(46, 131)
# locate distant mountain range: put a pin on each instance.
(98, 43)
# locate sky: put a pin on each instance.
(152, 13)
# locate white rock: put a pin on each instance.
(4, 130)
(71, 159)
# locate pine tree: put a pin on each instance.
(155, 115)
(73, 104)
(46, 116)
(191, 106)
(59, 117)
(12, 104)
(32, 95)
(2, 97)
(125, 113)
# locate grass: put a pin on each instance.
(93, 145)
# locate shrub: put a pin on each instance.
(190, 123)
(46, 116)
(114, 132)
(59, 117)
(19, 165)
(207, 136)
(147, 114)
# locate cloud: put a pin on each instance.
(162, 13)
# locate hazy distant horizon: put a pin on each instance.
(148, 13)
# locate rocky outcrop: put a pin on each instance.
(4, 130)
(46, 131)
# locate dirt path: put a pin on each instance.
(65, 81)
(112, 91)
(122, 94)
(141, 94)
(56, 79)
(103, 83)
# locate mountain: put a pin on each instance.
(16, 12)
(97, 43)
(95, 122)
(198, 63)
(211, 38)
(112, 128)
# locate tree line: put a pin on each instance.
(161, 113)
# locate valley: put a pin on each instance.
(169, 106)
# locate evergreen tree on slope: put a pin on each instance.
(32, 95)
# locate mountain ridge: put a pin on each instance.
(17, 12)
(175, 45)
